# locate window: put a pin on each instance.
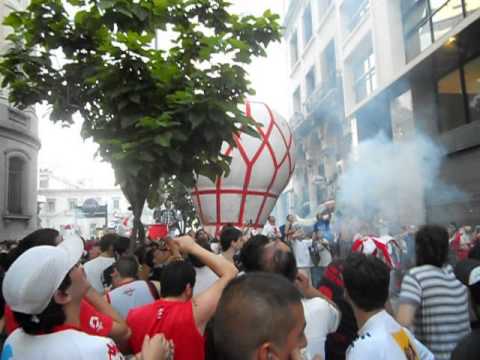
(472, 85)
(310, 81)
(354, 12)
(451, 108)
(323, 6)
(293, 49)
(471, 6)
(297, 101)
(43, 184)
(72, 204)
(116, 203)
(426, 21)
(364, 75)
(329, 66)
(16, 181)
(51, 205)
(307, 25)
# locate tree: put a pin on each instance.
(154, 112)
(175, 192)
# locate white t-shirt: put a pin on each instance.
(129, 296)
(270, 231)
(382, 338)
(94, 270)
(205, 278)
(302, 255)
(322, 318)
(67, 344)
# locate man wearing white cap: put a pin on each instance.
(44, 287)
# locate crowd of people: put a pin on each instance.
(278, 294)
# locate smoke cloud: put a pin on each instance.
(387, 182)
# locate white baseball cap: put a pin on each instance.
(31, 281)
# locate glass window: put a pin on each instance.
(329, 66)
(365, 77)
(116, 204)
(293, 49)
(472, 5)
(307, 25)
(415, 16)
(451, 105)
(418, 41)
(72, 204)
(16, 170)
(310, 81)
(297, 101)
(445, 16)
(472, 84)
(354, 12)
(51, 205)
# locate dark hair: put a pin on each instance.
(52, 316)
(38, 237)
(257, 298)
(127, 266)
(194, 260)
(252, 253)
(107, 241)
(121, 245)
(366, 279)
(282, 263)
(175, 277)
(474, 252)
(229, 235)
(431, 245)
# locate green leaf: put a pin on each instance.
(13, 20)
(163, 139)
(106, 4)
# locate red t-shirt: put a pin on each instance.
(92, 321)
(174, 319)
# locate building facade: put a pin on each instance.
(19, 146)
(77, 205)
(401, 67)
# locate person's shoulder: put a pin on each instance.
(93, 347)
(318, 305)
(365, 346)
(143, 312)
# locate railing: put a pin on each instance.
(322, 94)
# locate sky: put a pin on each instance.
(69, 156)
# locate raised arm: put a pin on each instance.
(205, 304)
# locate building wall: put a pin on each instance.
(377, 28)
(18, 138)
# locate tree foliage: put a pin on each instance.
(154, 111)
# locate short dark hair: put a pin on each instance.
(431, 245)
(127, 266)
(175, 277)
(252, 253)
(229, 235)
(107, 241)
(38, 237)
(262, 299)
(283, 263)
(367, 280)
(121, 245)
(52, 316)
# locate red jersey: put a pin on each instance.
(174, 319)
(92, 321)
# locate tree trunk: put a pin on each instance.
(136, 193)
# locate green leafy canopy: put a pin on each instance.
(154, 111)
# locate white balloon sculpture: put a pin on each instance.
(261, 168)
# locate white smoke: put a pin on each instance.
(386, 181)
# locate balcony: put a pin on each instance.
(326, 100)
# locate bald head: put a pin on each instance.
(256, 309)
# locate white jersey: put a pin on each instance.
(302, 255)
(205, 278)
(66, 344)
(131, 295)
(382, 338)
(94, 270)
(316, 331)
